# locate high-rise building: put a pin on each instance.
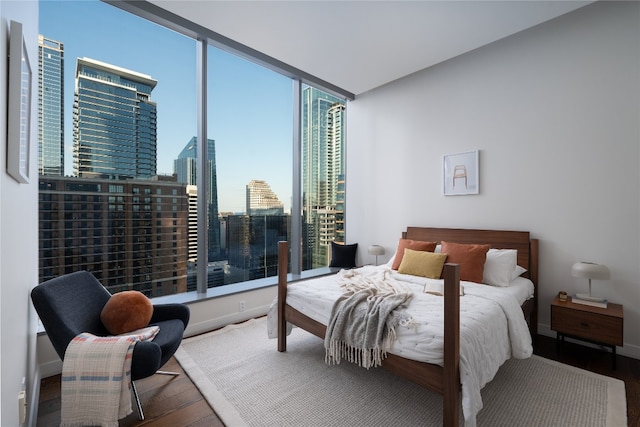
(252, 239)
(114, 122)
(261, 200)
(132, 235)
(192, 222)
(340, 211)
(322, 172)
(252, 245)
(215, 272)
(185, 167)
(51, 103)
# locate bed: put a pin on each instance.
(440, 375)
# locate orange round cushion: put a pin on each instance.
(126, 311)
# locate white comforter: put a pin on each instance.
(492, 329)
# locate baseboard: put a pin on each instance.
(219, 322)
(50, 369)
(627, 350)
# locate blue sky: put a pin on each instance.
(249, 108)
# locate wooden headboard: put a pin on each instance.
(498, 239)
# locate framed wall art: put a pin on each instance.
(19, 106)
(461, 174)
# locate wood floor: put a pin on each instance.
(167, 401)
(176, 402)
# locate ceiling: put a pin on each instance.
(360, 45)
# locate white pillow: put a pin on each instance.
(500, 267)
(390, 262)
(518, 272)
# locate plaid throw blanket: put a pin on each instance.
(363, 320)
(96, 378)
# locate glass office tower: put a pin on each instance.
(322, 173)
(51, 113)
(185, 169)
(114, 122)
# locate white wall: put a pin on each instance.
(555, 113)
(18, 237)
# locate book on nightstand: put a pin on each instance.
(601, 304)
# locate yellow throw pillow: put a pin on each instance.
(421, 263)
(416, 245)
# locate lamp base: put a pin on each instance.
(588, 297)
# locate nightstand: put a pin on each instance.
(603, 326)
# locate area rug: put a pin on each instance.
(248, 382)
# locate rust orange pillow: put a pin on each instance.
(126, 311)
(415, 245)
(471, 259)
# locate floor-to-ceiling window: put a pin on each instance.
(111, 203)
(249, 123)
(129, 206)
(322, 175)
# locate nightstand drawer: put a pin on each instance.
(581, 324)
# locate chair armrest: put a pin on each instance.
(170, 311)
(146, 359)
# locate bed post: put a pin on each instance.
(283, 261)
(451, 380)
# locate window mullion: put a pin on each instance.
(202, 170)
(296, 199)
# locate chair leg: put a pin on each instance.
(175, 374)
(137, 399)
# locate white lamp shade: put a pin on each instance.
(589, 270)
(376, 250)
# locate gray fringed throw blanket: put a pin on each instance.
(364, 319)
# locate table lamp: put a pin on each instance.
(376, 250)
(590, 271)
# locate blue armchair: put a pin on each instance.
(71, 304)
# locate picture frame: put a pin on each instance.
(19, 106)
(460, 173)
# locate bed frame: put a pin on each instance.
(441, 379)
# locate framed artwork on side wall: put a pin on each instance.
(460, 174)
(19, 106)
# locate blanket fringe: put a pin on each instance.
(364, 357)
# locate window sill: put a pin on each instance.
(236, 288)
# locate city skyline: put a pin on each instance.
(121, 198)
(239, 91)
